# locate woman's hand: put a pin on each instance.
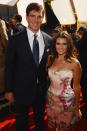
(78, 114)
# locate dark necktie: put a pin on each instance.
(36, 50)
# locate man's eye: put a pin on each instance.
(31, 15)
(39, 17)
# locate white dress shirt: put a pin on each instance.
(40, 41)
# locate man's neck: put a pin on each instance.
(34, 31)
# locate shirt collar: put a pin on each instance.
(32, 34)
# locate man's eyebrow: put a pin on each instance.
(34, 15)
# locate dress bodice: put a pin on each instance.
(60, 79)
(62, 76)
(61, 84)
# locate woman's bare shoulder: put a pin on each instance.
(75, 61)
(76, 64)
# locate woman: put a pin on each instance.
(3, 47)
(63, 67)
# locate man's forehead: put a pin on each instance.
(35, 11)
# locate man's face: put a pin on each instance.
(14, 21)
(34, 20)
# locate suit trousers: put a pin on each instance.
(21, 114)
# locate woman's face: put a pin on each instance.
(61, 46)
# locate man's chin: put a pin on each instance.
(36, 29)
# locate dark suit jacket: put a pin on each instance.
(21, 72)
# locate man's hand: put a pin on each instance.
(10, 97)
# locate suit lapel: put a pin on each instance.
(45, 48)
(25, 36)
(26, 40)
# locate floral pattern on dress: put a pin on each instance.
(60, 98)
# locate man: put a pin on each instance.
(26, 80)
(82, 49)
(17, 23)
(11, 29)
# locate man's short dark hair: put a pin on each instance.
(34, 6)
(18, 17)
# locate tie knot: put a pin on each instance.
(35, 35)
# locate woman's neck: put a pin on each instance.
(61, 58)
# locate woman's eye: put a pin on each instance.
(64, 43)
(57, 43)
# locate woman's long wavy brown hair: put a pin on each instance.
(71, 50)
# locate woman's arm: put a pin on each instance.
(76, 86)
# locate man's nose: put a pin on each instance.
(36, 18)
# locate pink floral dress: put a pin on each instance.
(61, 96)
